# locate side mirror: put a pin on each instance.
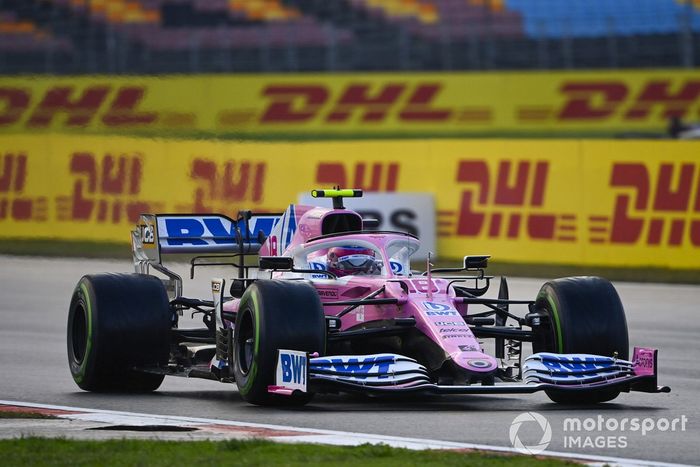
(283, 263)
(476, 262)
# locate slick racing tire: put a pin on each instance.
(585, 315)
(117, 322)
(275, 315)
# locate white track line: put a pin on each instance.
(314, 435)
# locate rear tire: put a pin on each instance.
(585, 316)
(275, 315)
(117, 322)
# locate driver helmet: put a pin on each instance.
(352, 260)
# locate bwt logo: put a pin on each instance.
(432, 306)
(360, 367)
(182, 230)
(293, 368)
(442, 313)
(191, 230)
(574, 364)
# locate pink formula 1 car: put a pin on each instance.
(335, 306)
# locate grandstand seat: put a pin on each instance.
(21, 35)
(197, 35)
(447, 19)
(596, 18)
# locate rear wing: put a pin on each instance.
(196, 235)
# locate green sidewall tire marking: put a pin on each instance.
(256, 350)
(81, 374)
(557, 324)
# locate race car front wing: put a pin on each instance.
(392, 373)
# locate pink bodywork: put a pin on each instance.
(436, 310)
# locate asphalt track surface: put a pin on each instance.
(34, 297)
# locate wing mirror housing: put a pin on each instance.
(476, 262)
(277, 263)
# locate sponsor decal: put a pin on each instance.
(448, 330)
(70, 106)
(486, 208)
(319, 267)
(15, 205)
(358, 366)
(433, 306)
(221, 185)
(292, 369)
(148, 236)
(106, 189)
(442, 313)
(572, 364)
(301, 103)
(456, 336)
(449, 323)
(645, 360)
(599, 101)
(184, 230)
(272, 241)
(655, 205)
(327, 293)
(397, 102)
(469, 348)
(396, 267)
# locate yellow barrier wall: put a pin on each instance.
(436, 103)
(618, 203)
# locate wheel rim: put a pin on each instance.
(246, 342)
(79, 334)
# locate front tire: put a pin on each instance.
(275, 315)
(117, 322)
(585, 315)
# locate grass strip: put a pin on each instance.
(65, 248)
(55, 452)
